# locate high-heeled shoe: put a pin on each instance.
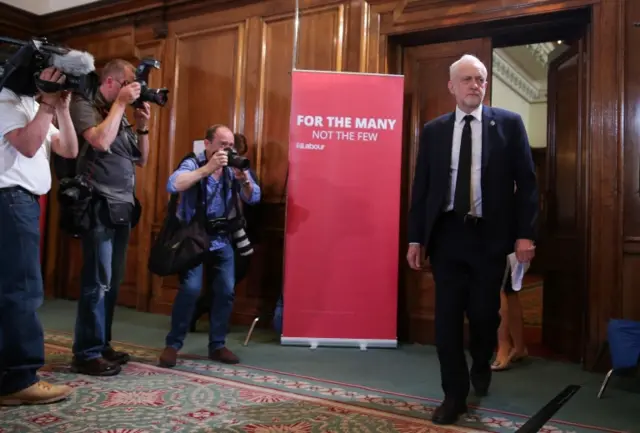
(506, 364)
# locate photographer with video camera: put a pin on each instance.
(218, 176)
(27, 138)
(110, 151)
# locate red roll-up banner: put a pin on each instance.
(343, 209)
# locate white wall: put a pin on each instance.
(534, 115)
(42, 7)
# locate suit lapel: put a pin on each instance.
(448, 137)
(487, 120)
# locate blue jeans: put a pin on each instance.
(221, 263)
(21, 291)
(105, 254)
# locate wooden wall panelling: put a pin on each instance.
(234, 68)
(272, 111)
(630, 299)
(16, 23)
(605, 175)
(207, 64)
(104, 15)
(148, 183)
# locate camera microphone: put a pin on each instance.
(77, 66)
(73, 62)
(21, 71)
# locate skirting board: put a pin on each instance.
(338, 342)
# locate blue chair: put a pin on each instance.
(277, 316)
(624, 345)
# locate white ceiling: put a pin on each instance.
(524, 68)
(42, 7)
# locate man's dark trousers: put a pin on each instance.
(467, 280)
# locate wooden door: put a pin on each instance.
(539, 155)
(564, 231)
(426, 70)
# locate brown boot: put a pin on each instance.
(38, 393)
(224, 355)
(168, 357)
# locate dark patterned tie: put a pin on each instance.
(462, 200)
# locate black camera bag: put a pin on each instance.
(180, 245)
(75, 196)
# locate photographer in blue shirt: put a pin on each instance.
(209, 170)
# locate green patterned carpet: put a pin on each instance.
(202, 396)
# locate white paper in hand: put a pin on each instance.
(517, 271)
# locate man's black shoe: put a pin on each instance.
(448, 412)
(481, 382)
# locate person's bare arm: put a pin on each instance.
(188, 174)
(65, 143)
(104, 134)
(29, 138)
(184, 180)
(142, 124)
(101, 133)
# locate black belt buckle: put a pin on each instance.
(471, 219)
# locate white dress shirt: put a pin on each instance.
(476, 160)
(32, 174)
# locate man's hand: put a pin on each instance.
(64, 101)
(217, 161)
(129, 93)
(414, 257)
(54, 100)
(142, 116)
(241, 175)
(525, 250)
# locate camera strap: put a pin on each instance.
(235, 196)
(223, 181)
(46, 86)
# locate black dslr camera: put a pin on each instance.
(147, 94)
(21, 69)
(237, 161)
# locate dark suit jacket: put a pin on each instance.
(506, 158)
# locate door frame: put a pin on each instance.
(580, 49)
(603, 140)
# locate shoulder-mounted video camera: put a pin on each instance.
(21, 70)
(147, 94)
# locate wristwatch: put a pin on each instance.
(142, 131)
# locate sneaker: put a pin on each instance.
(38, 393)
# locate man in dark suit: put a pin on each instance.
(466, 218)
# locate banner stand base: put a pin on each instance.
(313, 343)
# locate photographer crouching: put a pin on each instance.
(110, 151)
(208, 175)
(27, 138)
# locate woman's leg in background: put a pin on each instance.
(505, 344)
(516, 327)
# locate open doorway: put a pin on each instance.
(520, 78)
(553, 111)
